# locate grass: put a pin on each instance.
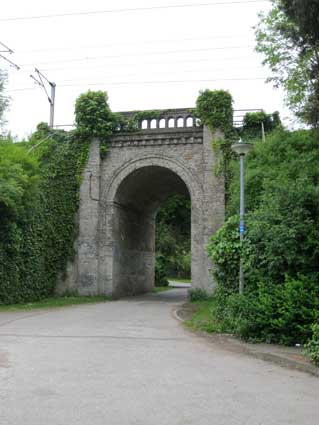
(54, 302)
(158, 289)
(204, 317)
(179, 279)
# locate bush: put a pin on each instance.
(281, 248)
(312, 347)
(160, 272)
(38, 203)
(224, 249)
(197, 294)
(172, 241)
(272, 313)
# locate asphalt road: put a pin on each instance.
(130, 362)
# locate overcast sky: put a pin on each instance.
(145, 59)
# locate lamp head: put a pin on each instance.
(241, 148)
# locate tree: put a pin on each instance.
(4, 101)
(291, 48)
(305, 14)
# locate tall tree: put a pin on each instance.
(287, 36)
(305, 14)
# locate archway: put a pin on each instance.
(132, 198)
(137, 200)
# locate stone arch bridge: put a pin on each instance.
(120, 195)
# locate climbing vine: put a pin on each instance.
(94, 118)
(215, 110)
(38, 206)
(133, 122)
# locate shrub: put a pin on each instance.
(197, 294)
(160, 271)
(38, 202)
(224, 250)
(273, 313)
(312, 347)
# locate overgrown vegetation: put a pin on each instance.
(94, 118)
(38, 203)
(288, 38)
(312, 347)
(39, 194)
(172, 242)
(197, 294)
(281, 249)
(4, 100)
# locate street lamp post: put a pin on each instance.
(241, 149)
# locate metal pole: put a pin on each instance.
(242, 220)
(52, 101)
(263, 136)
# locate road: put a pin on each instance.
(130, 362)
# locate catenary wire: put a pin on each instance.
(205, 49)
(130, 43)
(146, 82)
(132, 9)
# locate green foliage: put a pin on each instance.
(133, 123)
(39, 200)
(18, 177)
(305, 14)
(292, 55)
(224, 249)
(160, 271)
(172, 242)
(55, 302)
(214, 109)
(281, 248)
(4, 100)
(253, 121)
(272, 313)
(203, 317)
(197, 294)
(312, 347)
(94, 118)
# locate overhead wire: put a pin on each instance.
(146, 82)
(130, 43)
(131, 9)
(152, 53)
(162, 62)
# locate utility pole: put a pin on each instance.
(40, 80)
(52, 103)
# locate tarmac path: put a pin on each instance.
(130, 362)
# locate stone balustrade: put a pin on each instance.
(168, 120)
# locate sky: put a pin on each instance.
(147, 54)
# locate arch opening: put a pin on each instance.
(136, 203)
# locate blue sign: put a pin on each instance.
(241, 228)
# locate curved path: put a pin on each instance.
(130, 362)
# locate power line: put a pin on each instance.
(168, 72)
(133, 9)
(138, 42)
(88, 66)
(205, 49)
(147, 82)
